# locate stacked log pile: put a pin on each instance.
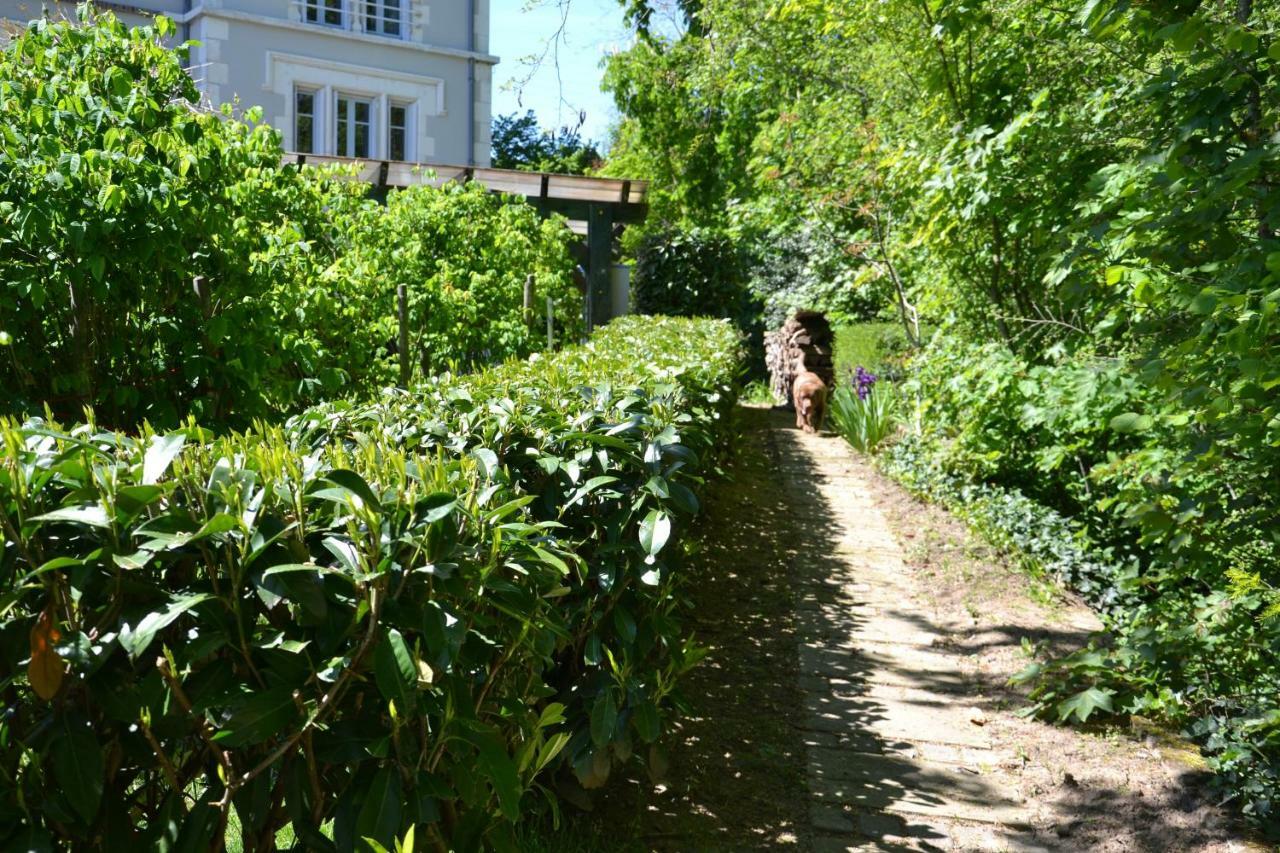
(807, 336)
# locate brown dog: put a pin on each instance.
(809, 393)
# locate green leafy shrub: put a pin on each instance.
(806, 267)
(692, 273)
(1083, 472)
(117, 192)
(407, 613)
(463, 254)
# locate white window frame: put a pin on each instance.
(322, 8)
(377, 9)
(410, 126)
(423, 95)
(317, 118)
(352, 99)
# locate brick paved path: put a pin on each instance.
(894, 753)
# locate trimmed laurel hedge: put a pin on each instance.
(403, 615)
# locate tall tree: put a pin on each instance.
(519, 142)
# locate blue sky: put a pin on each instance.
(522, 29)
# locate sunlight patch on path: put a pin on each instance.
(895, 756)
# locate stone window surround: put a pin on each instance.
(353, 17)
(424, 96)
(422, 12)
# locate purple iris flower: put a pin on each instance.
(863, 381)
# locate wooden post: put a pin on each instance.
(528, 298)
(600, 251)
(551, 339)
(402, 303)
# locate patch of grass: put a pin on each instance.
(873, 345)
(757, 394)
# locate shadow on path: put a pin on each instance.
(833, 711)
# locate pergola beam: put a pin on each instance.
(534, 186)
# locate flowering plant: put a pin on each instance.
(863, 381)
(864, 416)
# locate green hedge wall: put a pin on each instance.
(404, 614)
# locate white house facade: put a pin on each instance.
(370, 79)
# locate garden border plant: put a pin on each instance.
(410, 613)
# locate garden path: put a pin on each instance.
(855, 692)
(895, 750)
(910, 738)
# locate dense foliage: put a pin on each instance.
(520, 143)
(410, 613)
(1084, 197)
(463, 254)
(690, 273)
(117, 193)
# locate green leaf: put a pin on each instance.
(395, 671)
(135, 640)
(552, 715)
(379, 817)
(499, 513)
(91, 515)
(488, 460)
(586, 489)
(160, 454)
(1084, 703)
(348, 484)
(78, 769)
(1132, 422)
(604, 717)
(305, 568)
(551, 559)
(654, 531)
(500, 770)
(683, 498)
(436, 506)
(260, 717)
(645, 718)
(549, 750)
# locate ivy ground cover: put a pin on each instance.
(404, 616)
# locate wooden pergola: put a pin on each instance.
(593, 206)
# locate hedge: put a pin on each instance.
(405, 614)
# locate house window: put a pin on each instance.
(327, 12)
(304, 121)
(383, 16)
(398, 132)
(354, 126)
